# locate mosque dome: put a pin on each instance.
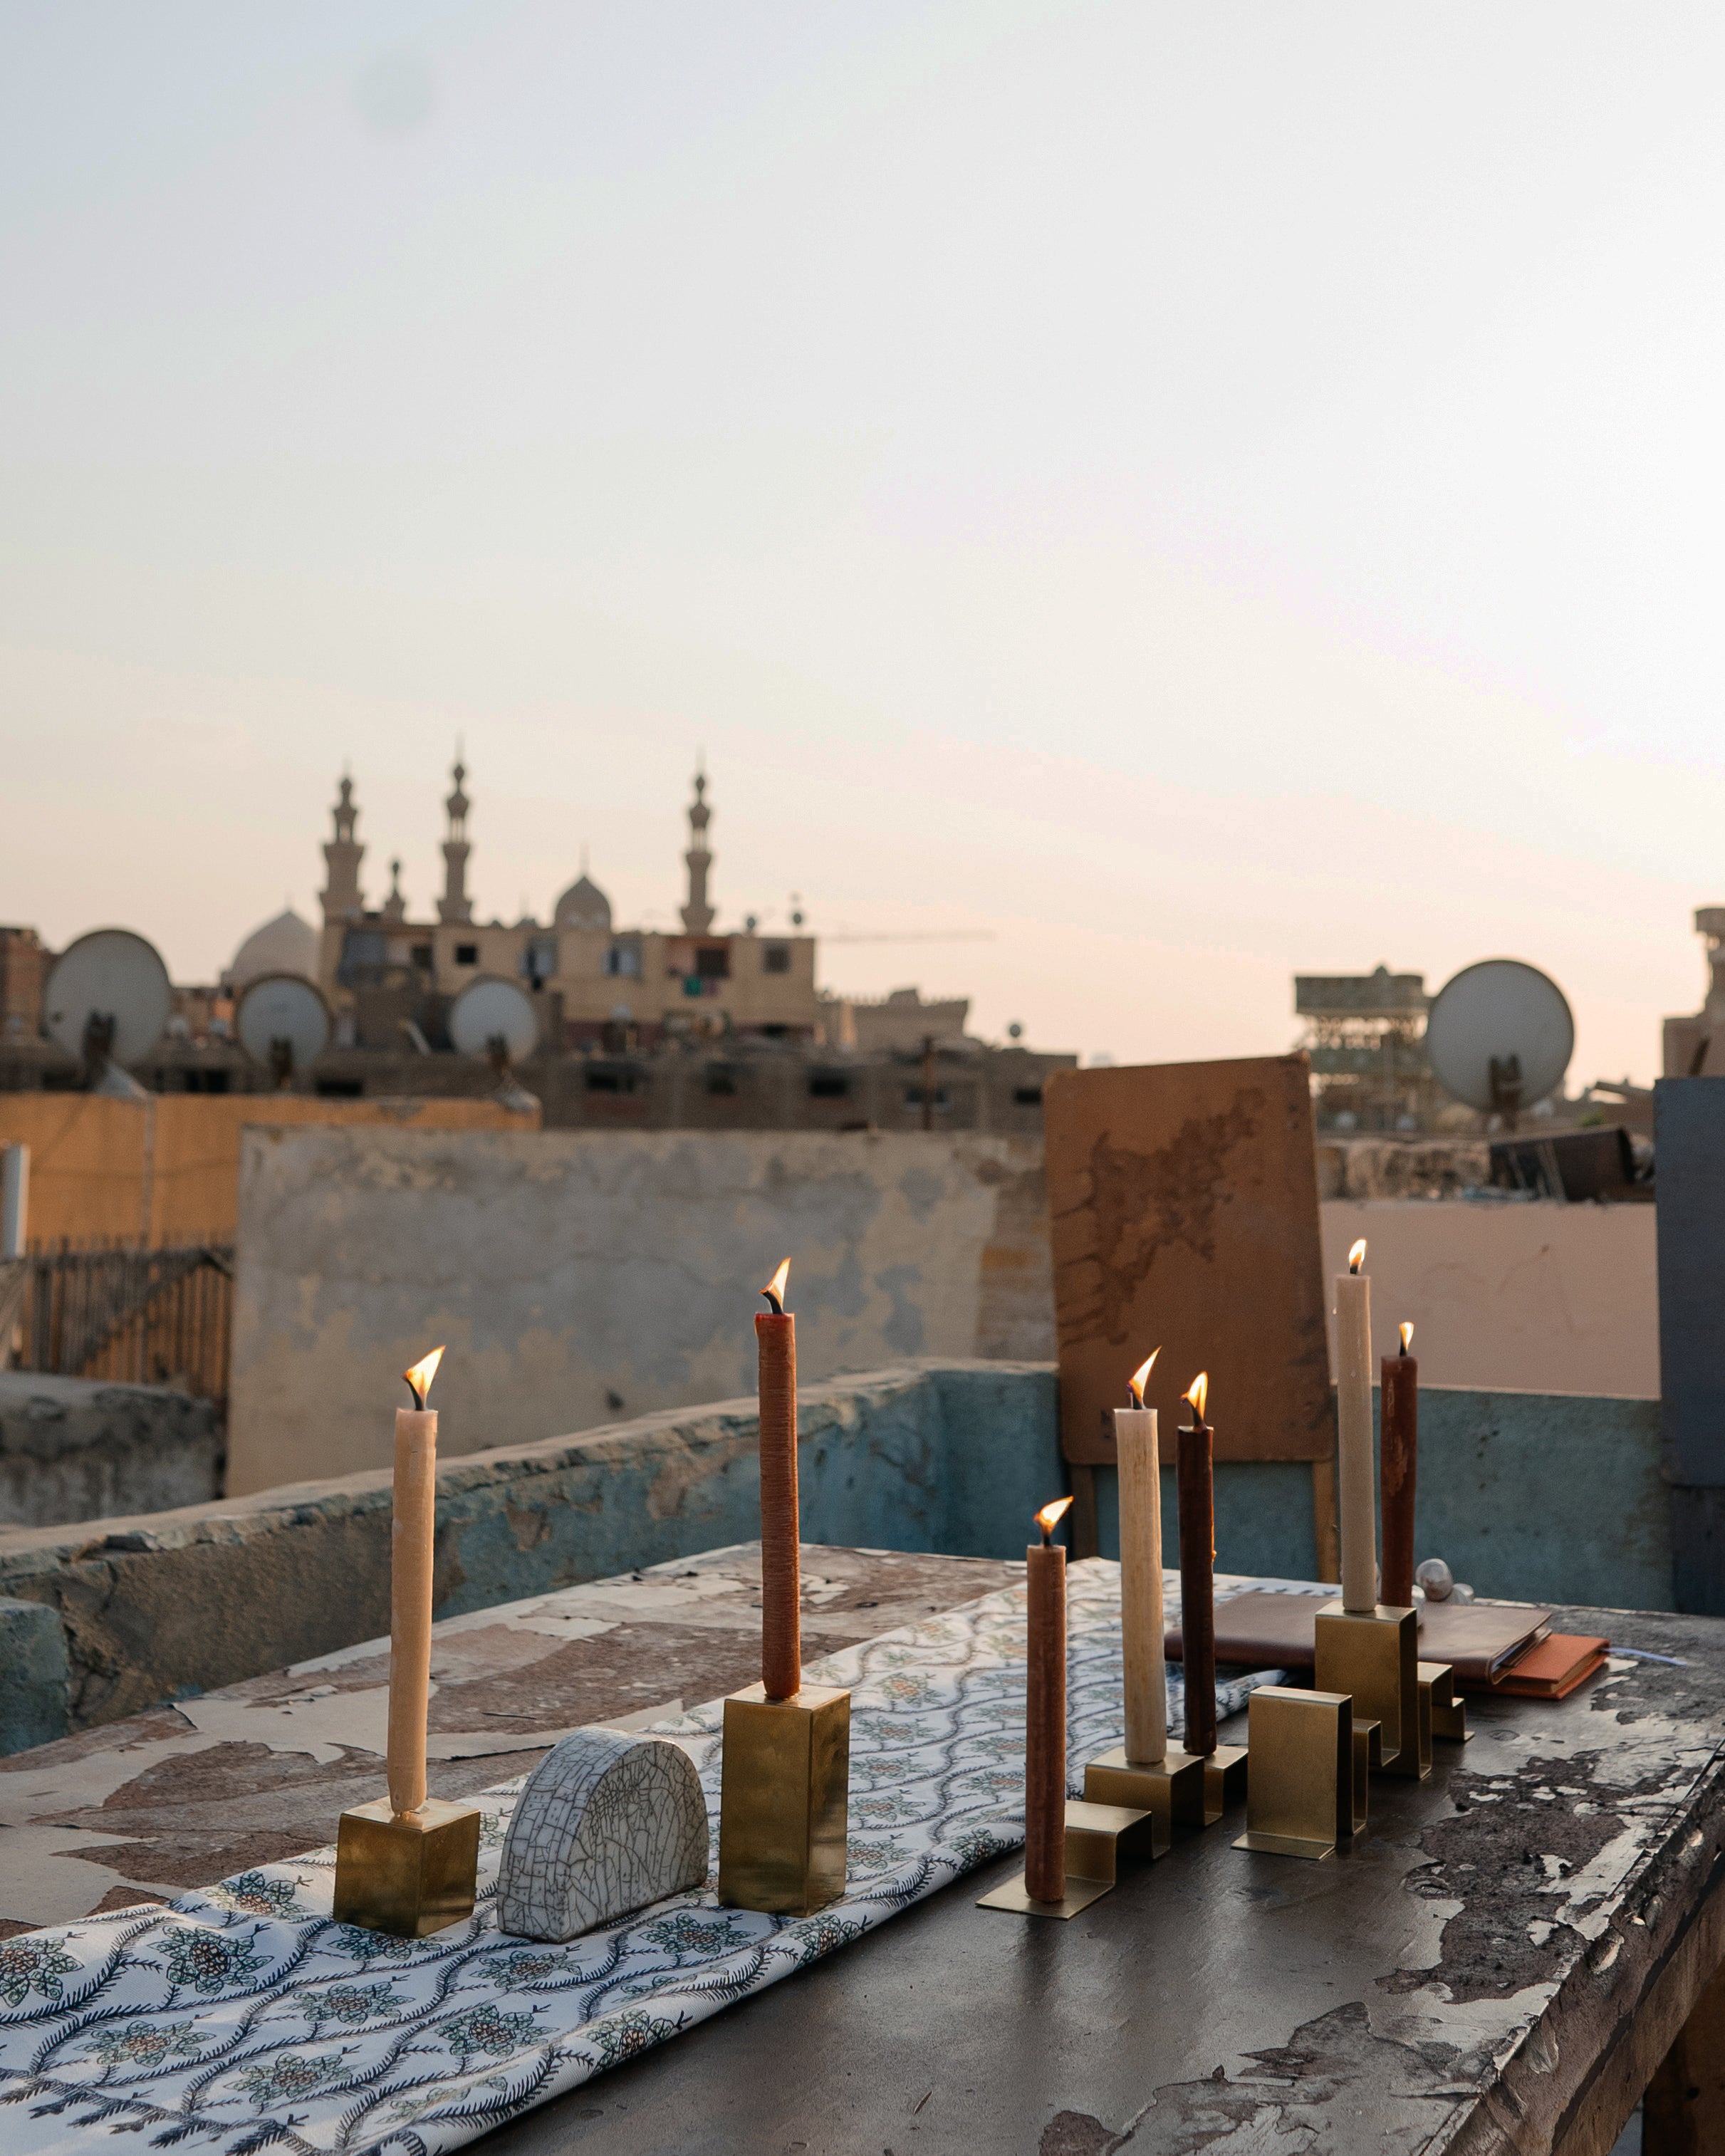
(285, 945)
(584, 905)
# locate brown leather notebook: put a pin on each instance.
(1478, 1640)
(1550, 1669)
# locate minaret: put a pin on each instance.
(395, 907)
(697, 914)
(341, 899)
(455, 907)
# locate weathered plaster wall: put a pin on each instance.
(942, 1456)
(78, 1449)
(1544, 1297)
(576, 1276)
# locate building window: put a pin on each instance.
(776, 959)
(602, 1080)
(1027, 1096)
(467, 954)
(712, 961)
(913, 1096)
(624, 959)
(341, 1088)
(828, 1086)
(720, 1078)
(421, 955)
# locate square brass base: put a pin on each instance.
(1172, 1787)
(1097, 1836)
(784, 1799)
(1300, 1790)
(409, 1876)
(1225, 1773)
(1448, 1714)
(1373, 1655)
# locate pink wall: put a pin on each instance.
(1539, 1297)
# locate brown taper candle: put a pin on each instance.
(1198, 1569)
(411, 1539)
(781, 1578)
(1045, 1711)
(1399, 1468)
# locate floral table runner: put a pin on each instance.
(245, 2018)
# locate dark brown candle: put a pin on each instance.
(781, 1580)
(1045, 1711)
(1197, 1569)
(1399, 1468)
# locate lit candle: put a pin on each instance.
(1398, 1456)
(1045, 1711)
(781, 1580)
(1140, 1624)
(1197, 1570)
(1353, 1434)
(412, 1536)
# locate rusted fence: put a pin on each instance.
(143, 1317)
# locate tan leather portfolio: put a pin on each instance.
(1550, 1669)
(1478, 1640)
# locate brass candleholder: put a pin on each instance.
(1170, 1789)
(1301, 1788)
(784, 1799)
(1226, 1774)
(1440, 1698)
(1097, 1836)
(1374, 1655)
(409, 1874)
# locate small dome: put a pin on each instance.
(584, 905)
(285, 945)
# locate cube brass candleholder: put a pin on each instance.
(1374, 1655)
(1368, 1758)
(1170, 1789)
(1226, 1773)
(1097, 1836)
(784, 1799)
(409, 1874)
(1300, 1790)
(1449, 1712)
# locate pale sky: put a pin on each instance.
(1204, 492)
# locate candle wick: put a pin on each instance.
(777, 1306)
(419, 1396)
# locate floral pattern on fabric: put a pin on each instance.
(245, 2017)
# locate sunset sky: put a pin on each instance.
(1202, 494)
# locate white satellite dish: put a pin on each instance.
(1499, 1036)
(106, 1001)
(283, 1024)
(489, 1011)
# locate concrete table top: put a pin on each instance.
(1497, 1964)
(179, 1797)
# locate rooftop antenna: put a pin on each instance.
(283, 1025)
(106, 1001)
(1499, 1037)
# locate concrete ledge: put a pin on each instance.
(82, 1448)
(933, 1455)
(34, 1694)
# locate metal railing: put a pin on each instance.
(108, 1310)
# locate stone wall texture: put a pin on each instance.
(78, 1449)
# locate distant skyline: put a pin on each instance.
(1205, 495)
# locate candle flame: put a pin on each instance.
(1407, 1337)
(1049, 1517)
(1198, 1393)
(774, 1289)
(1141, 1376)
(420, 1376)
(1356, 1255)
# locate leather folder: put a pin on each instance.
(1478, 1640)
(1550, 1669)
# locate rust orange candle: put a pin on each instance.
(412, 1534)
(1045, 1711)
(781, 1581)
(1198, 1569)
(1398, 1457)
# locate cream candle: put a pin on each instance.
(1140, 1618)
(411, 1539)
(1353, 1434)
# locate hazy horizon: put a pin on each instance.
(1202, 494)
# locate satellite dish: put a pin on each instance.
(283, 1024)
(106, 1001)
(492, 1017)
(1499, 1036)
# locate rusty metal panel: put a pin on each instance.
(1183, 1199)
